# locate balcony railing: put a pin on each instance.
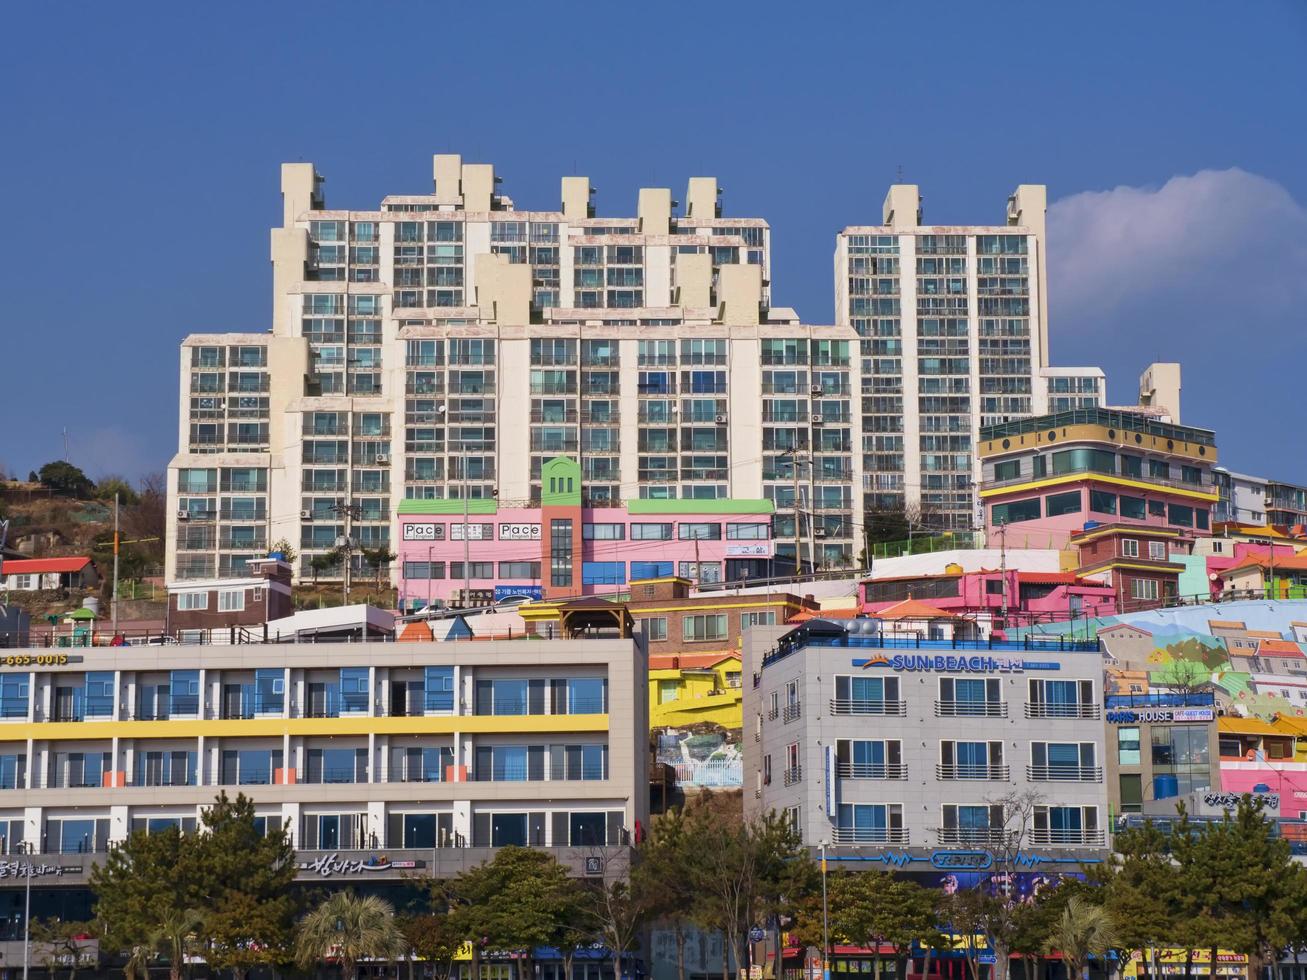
(792, 776)
(865, 706)
(987, 772)
(1045, 710)
(791, 712)
(970, 709)
(1067, 774)
(872, 770)
(1066, 837)
(970, 836)
(869, 835)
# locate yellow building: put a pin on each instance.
(685, 688)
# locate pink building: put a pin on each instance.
(1030, 597)
(563, 549)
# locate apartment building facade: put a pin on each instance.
(448, 344)
(912, 753)
(953, 334)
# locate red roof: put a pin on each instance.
(912, 609)
(1051, 578)
(1280, 648)
(41, 566)
(807, 614)
(689, 661)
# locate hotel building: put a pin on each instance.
(374, 756)
(905, 751)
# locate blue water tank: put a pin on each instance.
(1165, 787)
(1090, 525)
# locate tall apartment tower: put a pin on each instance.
(446, 344)
(953, 324)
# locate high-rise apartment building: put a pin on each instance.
(953, 328)
(448, 344)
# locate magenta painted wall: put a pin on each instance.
(1289, 779)
(1096, 600)
(627, 551)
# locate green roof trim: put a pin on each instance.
(560, 482)
(451, 508)
(700, 507)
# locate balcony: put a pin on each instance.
(791, 712)
(970, 836)
(865, 706)
(1066, 837)
(970, 709)
(1064, 774)
(792, 775)
(872, 770)
(987, 772)
(1045, 710)
(324, 776)
(869, 835)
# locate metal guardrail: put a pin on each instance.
(970, 709)
(1001, 773)
(865, 706)
(869, 835)
(1067, 774)
(871, 770)
(1086, 711)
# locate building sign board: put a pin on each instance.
(760, 550)
(503, 592)
(38, 660)
(1136, 716)
(26, 869)
(1230, 801)
(961, 860)
(954, 663)
(425, 531)
(475, 532)
(329, 865)
(519, 532)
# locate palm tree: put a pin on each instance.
(175, 937)
(348, 928)
(1081, 931)
(138, 963)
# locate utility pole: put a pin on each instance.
(467, 566)
(346, 546)
(825, 924)
(798, 536)
(113, 612)
(27, 914)
(812, 514)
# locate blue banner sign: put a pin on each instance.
(961, 860)
(503, 592)
(953, 663)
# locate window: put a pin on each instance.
(603, 573)
(1084, 461)
(859, 695)
(668, 691)
(1057, 504)
(1132, 792)
(560, 552)
(603, 532)
(1143, 588)
(1157, 550)
(1127, 746)
(1015, 512)
(1009, 469)
(747, 532)
(1191, 474)
(231, 601)
(700, 532)
(1132, 466)
(519, 569)
(475, 569)
(651, 532)
(698, 628)
(1062, 760)
(654, 628)
(1159, 470)
(650, 569)
(424, 570)
(1180, 515)
(1101, 502)
(190, 601)
(1156, 508)
(1132, 507)
(1130, 548)
(970, 760)
(767, 618)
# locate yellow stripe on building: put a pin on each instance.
(1116, 481)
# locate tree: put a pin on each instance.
(146, 894)
(521, 899)
(874, 908)
(111, 485)
(1141, 890)
(662, 874)
(65, 477)
(348, 928)
(322, 563)
(247, 879)
(616, 909)
(284, 546)
(56, 942)
(378, 558)
(1081, 931)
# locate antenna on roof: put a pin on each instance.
(898, 174)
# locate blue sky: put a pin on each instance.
(142, 144)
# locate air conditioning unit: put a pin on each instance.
(817, 390)
(819, 532)
(816, 420)
(306, 515)
(183, 515)
(383, 459)
(721, 419)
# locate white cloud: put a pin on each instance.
(1217, 233)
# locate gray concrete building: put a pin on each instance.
(926, 754)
